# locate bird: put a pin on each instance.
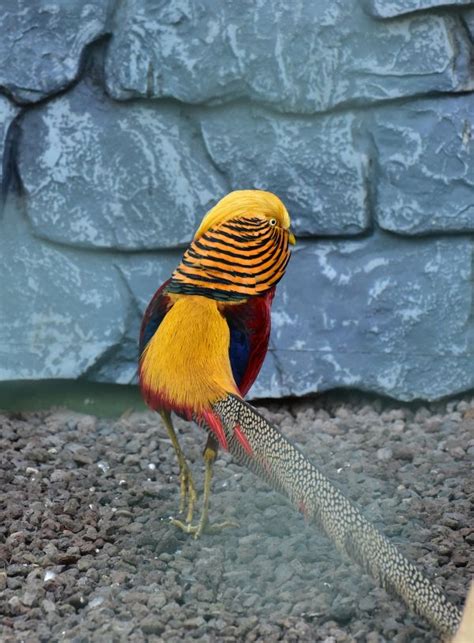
(206, 330)
(203, 339)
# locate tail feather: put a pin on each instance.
(277, 461)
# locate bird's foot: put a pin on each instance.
(187, 492)
(203, 526)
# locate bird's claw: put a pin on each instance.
(217, 527)
(203, 527)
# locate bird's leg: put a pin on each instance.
(187, 488)
(209, 455)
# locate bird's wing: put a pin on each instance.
(249, 326)
(154, 315)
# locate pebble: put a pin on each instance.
(152, 625)
(29, 598)
(384, 454)
(403, 453)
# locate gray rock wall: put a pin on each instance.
(121, 123)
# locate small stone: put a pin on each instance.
(48, 606)
(91, 533)
(155, 489)
(459, 558)
(71, 506)
(157, 600)
(15, 539)
(458, 453)
(152, 625)
(135, 597)
(367, 604)
(404, 453)
(77, 600)
(51, 551)
(16, 606)
(14, 582)
(194, 623)
(341, 613)
(82, 457)
(384, 454)
(59, 475)
(453, 520)
(67, 558)
(29, 598)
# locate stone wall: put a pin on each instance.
(122, 122)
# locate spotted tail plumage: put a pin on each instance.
(276, 460)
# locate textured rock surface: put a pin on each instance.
(305, 56)
(114, 175)
(382, 314)
(392, 8)
(43, 42)
(56, 307)
(305, 161)
(425, 166)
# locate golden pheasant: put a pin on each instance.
(203, 340)
(205, 332)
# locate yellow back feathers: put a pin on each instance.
(186, 362)
(246, 203)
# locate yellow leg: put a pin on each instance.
(187, 488)
(210, 453)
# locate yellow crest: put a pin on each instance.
(246, 203)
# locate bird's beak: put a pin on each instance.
(291, 238)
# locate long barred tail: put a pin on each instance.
(259, 446)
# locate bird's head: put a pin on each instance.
(241, 249)
(247, 203)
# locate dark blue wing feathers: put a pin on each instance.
(239, 351)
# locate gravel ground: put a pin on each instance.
(87, 553)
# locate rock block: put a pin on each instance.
(393, 8)
(304, 56)
(424, 174)
(313, 165)
(109, 175)
(383, 314)
(43, 43)
(61, 312)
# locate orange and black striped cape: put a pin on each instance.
(237, 259)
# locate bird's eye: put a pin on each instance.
(272, 222)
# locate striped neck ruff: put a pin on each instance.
(234, 260)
